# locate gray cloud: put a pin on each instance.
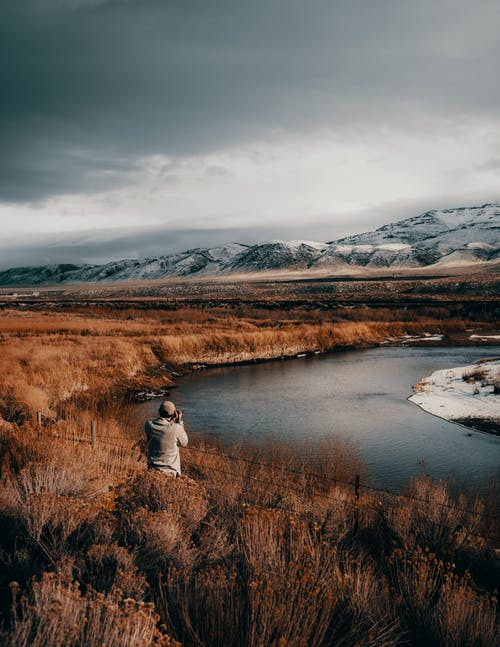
(492, 164)
(105, 245)
(89, 87)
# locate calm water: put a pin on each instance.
(359, 395)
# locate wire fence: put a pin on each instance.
(354, 486)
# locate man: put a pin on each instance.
(164, 435)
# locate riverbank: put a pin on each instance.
(468, 395)
(420, 340)
(56, 361)
(76, 358)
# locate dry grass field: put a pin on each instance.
(251, 546)
(53, 358)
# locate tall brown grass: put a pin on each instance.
(52, 359)
(57, 613)
(235, 553)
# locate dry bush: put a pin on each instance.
(463, 616)
(52, 522)
(108, 567)
(273, 474)
(336, 459)
(155, 491)
(373, 617)
(206, 607)
(118, 462)
(49, 476)
(417, 578)
(15, 453)
(430, 517)
(11, 410)
(103, 527)
(158, 538)
(474, 375)
(17, 562)
(303, 590)
(52, 504)
(289, 575)
(56, 613)
(215, 540)
(439, 607)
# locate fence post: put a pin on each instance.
(356, 509)
(93, 433)
(39, 424)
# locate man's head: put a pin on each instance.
(167, 409)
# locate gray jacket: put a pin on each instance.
(164, 438)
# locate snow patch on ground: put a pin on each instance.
(461, 392)
(483, 337)
(407, 339)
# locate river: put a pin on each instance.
(360, 395)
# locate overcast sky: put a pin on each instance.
(139, 127)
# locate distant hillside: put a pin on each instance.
(462, 235)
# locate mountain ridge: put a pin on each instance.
(433, 238)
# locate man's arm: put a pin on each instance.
(181, 435)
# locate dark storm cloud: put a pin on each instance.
(104, 245)
(86, 82)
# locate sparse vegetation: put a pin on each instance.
(475, 375)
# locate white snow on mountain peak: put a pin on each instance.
(445, 236)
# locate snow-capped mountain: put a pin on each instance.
(462, 235)
(191, 262)
(277, 255)
(444, 236)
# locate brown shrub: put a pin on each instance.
(439, 607)
(433, 518)
(13, 411)
(463, 616)
(158, 538)
(206, 607)
(304, 591)
(56, 613)
(49, 476)
(181, 497)
(108, 567)
(49, 520)
(15, 453)
(474, 375)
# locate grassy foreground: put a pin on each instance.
(251, 546)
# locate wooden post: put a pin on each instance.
(39, 424)
(93, 433)
(356, 487)
(356, 510)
